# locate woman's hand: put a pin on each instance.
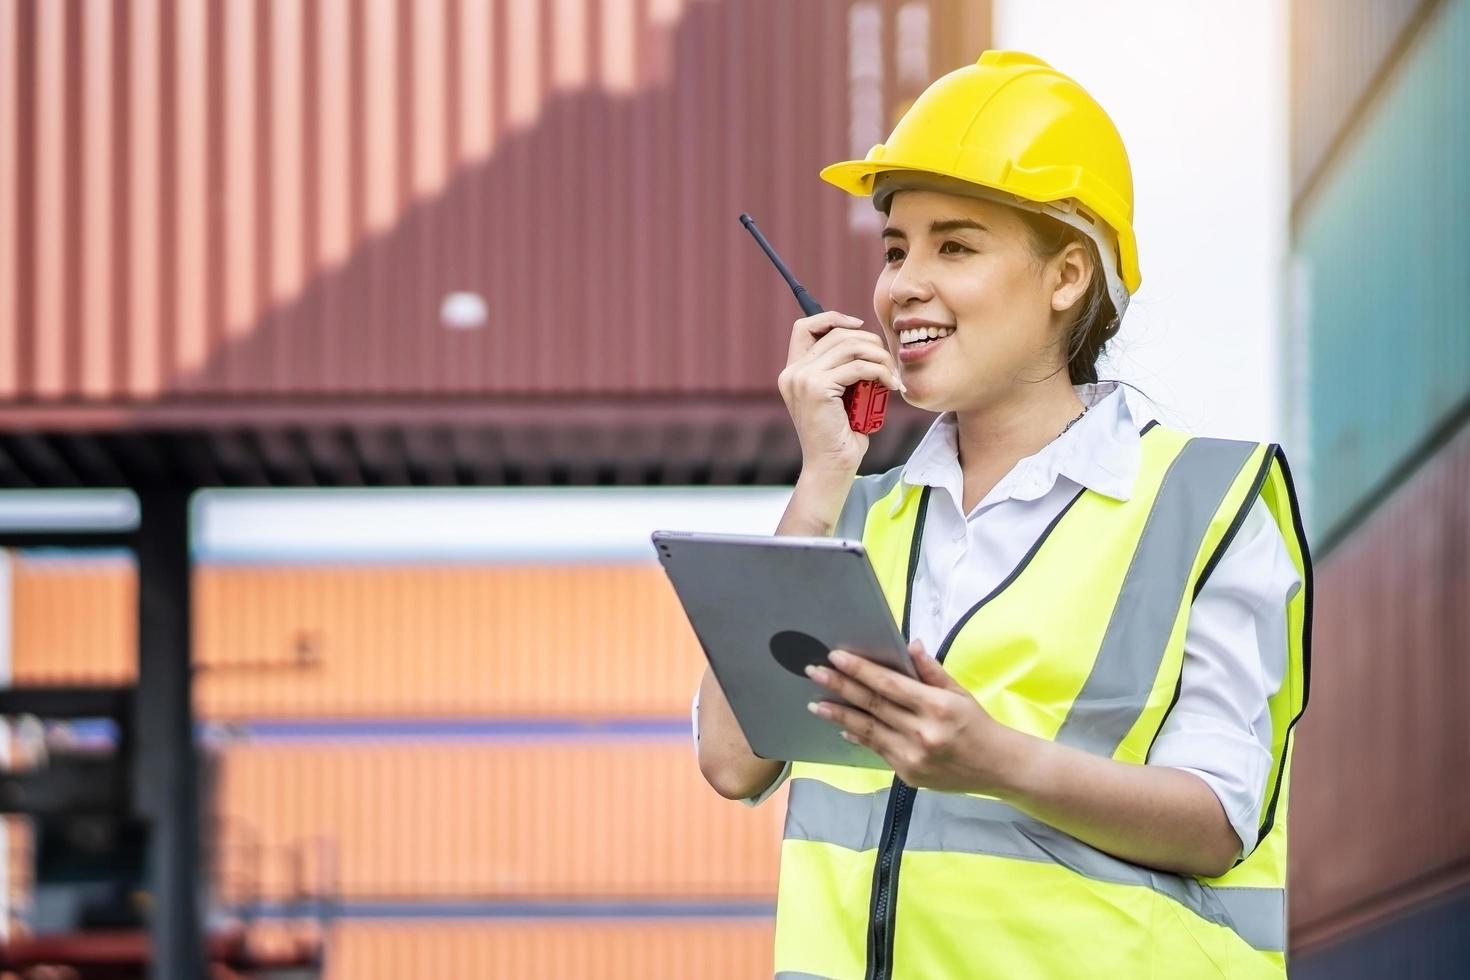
(829, 352)
(936, 736)
(931, 731)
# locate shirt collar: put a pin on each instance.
(1100, 452)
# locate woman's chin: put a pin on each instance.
(922, 397)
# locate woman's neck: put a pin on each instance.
(993, 439)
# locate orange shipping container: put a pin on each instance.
(629, 818)
(404, 640)
(551, 950)
(569, 640)
(74, 620)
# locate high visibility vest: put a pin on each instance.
(1082, 643)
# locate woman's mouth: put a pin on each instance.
(920, 342)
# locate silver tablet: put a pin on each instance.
(765, 607)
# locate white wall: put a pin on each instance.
(1198, 91)
(555, 524)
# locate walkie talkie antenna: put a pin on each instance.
(809, 305)
(864, 400)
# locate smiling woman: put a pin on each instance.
(992, 251)
(1108, 616)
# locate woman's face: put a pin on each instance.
(966, 264)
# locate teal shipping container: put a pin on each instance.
(1382, 343)
(1338, 50)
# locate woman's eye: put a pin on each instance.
(895, 253)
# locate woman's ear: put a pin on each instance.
(1073, 274)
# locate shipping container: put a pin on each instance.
(553, 950)
(1338, 50)
(1379, 797)
(566, 639)
(598, 947)
(1381, 252)
(616, 818)
(1381, 150)
(73, 619)
(1430, 943)
(240, 198)
(292, 641)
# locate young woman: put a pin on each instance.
(1109, 617)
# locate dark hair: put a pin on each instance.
(1098, 322)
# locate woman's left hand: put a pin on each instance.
(931, 731)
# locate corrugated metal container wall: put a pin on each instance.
(242, 197)
(1379, 795)
(1389, 354)
(406, 640)
(73, 620)
(615, 818)
(1338, 47)
(570, 640)
(710, 950)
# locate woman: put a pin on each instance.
(1108, 617)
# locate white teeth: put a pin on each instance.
(920, 333)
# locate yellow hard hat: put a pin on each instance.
(1012, 128)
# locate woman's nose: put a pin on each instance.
(909, 284)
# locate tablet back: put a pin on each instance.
(765, 607)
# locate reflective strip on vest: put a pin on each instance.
(864, 493)
(957, 823)
(1115, 692)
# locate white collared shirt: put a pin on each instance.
(1235, 646)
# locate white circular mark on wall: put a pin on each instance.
(462, 311)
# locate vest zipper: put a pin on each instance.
(884, 904)
(883, 912)
(885, 880)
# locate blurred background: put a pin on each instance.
(351, 349)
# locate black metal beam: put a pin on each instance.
(67, 702)
(166, 776)
(34, 452)
(89, 456)
(430, 454)
(330, 452)
(140, 457)
(15, 538)
(239, 464)
(380, 461)
(65, 787)
(11, 473)
(693, 445)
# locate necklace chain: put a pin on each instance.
(1073, 422)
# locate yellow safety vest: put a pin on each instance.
(1082, 643)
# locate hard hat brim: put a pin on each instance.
(857, 177)
(865, 175)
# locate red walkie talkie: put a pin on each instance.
(866, 400)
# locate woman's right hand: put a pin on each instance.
(829, 352)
